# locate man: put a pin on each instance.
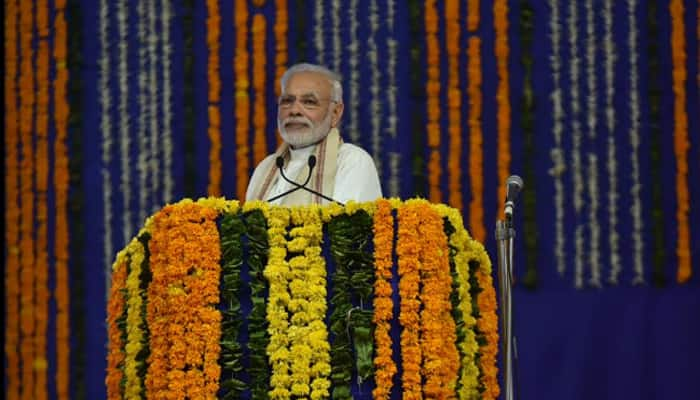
(308, 114)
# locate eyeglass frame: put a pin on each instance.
(293, 98)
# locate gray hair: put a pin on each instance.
(333, 78)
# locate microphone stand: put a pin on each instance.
(312, 163)
(504, 235)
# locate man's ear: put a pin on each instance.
(337, 113)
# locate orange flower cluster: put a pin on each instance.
(183, 295)
(214, 81)
(12, 211)
(472, 15)
(454, 103)
(281, 28)
(407, 249)
(488, 325)
(476, 159)
(680, 140)
(437, 327)
(61, 181)
(27, 91)
(115, 350)
(432, 89)
(242, 99)
(384, 366)
(259, 32)
(500, 14)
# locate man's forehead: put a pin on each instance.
(308, 82)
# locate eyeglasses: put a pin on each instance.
(307, 101)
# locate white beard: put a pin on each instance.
(302, 137)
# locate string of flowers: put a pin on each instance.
(476, 159)
(335, 7)
(28, 348)
(375, 103)
(593, 224)
(438, 331)
(472, 15)
(407, 250)
(214, 81)
(557, 156)
(635, 114)
(144, 112)
(241, 98)
(182, 312)
(61, 179)
(577, 175)
(167, 132)
(116, 319)
(488, 325)
(610, 59)
(106, 129)
(12, 208)
(318, 31)
(353, 50)
(259, 33)
(384, 365)
(135, 334)
(459, 241)
(681, 143)
(154, 97)
(281, 46)
(500, 15)
(310, 350)
(432, 89)
(392, 118)
(454, 103)
(124, 117)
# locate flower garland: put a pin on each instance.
(407, 250)
(318, 31)
(167, 132)
(259, 33)
(557, 152)
(154, 98)
(593, 224)
(214, 80)
(500, 14)
(392, 118)
(124, 117)
(241, 98)
(136, 335)
(610, 59)
(384, 365)
(635, 114)
(144, 112)
(681, 143)
(432, 89)
(472, 15)
(353, 50)
(28, 350)
(454, 103)
(115, 328)
(438, 331)
(337, 50)
(12, 210)
(106, 129)
(183, 294)
(488, 325)
(375, 102)
(476, 159)
(281, 46)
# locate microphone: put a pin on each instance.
(312, 163)
(514, 184)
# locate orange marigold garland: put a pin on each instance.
(680, 140)
(281, 28)
(116, 308)
(214, 81)
(472, 15)
(384, 365)
(476, 159)
(500, 13)
(433, 100)
(259, 33)
(182, 317)
(242, 98)
(437, 326)
(487, 323)
(454, 103)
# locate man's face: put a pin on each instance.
(305, 111)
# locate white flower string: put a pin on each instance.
(336, 36)
(557, 153)
(636, 208)
(143, 100)
(167, 104)
(392, 119)
(106, 128)
(124, 142)
(318, 31)
(353, 50)
(375, 107)
(593, 223)
(153, 101)
(576, 139)
(610, 59)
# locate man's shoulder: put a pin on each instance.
(352, 152)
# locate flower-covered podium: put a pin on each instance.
(389, 299)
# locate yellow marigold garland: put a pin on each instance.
(259, 33)
(134, 329)
(680, 140)
(242, 98)
(476, 159)
(500, 14)
(384, 365)
(214, 82)
(115, 310)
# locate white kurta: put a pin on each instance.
(356, 177)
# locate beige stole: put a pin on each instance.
(322, 179)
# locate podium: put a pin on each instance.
(218, 299)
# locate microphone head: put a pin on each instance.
(312, 161)
(280, 162)
(514, 184)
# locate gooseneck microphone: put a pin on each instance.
(312, 163)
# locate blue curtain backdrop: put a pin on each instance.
(142, 134)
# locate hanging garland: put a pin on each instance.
(281, 46)
(353, 50)
(167, 135)
(137, 340)
(454, 103)
(259, 33)
(153, 100)
(116, 328)
(214, 82)
(500, 14)
(392, 117)
(144, 111)
(432, 90)
(472, 15)
(476, 139)
(242, 98)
